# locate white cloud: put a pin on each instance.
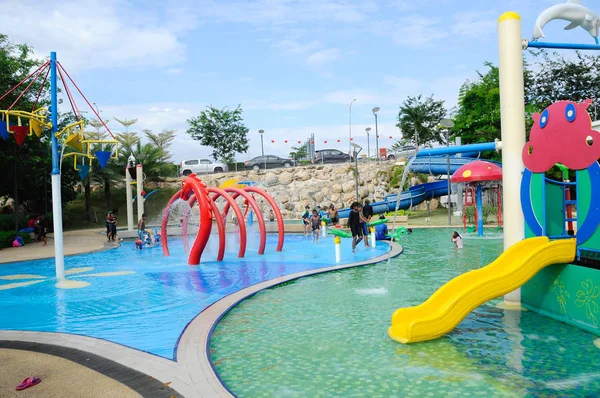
(92, 34)
(475, 25)
(174, 71)
(323, 57)
(313, 52)
(281, 12)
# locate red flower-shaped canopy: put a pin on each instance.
(477, 171)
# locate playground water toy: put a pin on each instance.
(535, 235)
(478, 175)
(71, 139)
(195, 191)
(338, 232)
(377, 222)
(571, 11)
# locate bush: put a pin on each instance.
(240, 166)
(470, 213)
(399, 213)
(7, 222)
(7, 237)
(487, 211)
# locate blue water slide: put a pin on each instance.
(430, 161)
(438, 165)
(413, 197)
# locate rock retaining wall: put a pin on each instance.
(317, 185)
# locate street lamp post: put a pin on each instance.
(375, 110)
(262, 146)
(350, 128)
(368, 129)
(448, 124)
(357, 149)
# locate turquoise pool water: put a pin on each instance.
(326, 336)
(142, 299)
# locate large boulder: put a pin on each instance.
(337, 188)
(348, 186)
(270, 179)
(286, 178)
(302, 176)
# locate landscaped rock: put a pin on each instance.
(337, 188)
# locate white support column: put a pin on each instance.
(129, 198)
(139, 176)
(59, 253)
(512, 108)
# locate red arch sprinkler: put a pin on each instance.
(195, 191)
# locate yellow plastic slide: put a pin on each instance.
(447, 307)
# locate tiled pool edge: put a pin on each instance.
(193, 351)
(192, 375)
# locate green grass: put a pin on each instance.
(439, 217)
(74, 216)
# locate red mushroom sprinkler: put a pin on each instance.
(473, 174)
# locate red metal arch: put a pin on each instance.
(259, 217)
(193, 185)
(218, 219)
(276, 210)
(218, 192)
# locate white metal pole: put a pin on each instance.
(512, 108)
(129, 198)
(338, 252)
(373, 237)
(59, 254)
(139, 176)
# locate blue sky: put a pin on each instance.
(292, 65)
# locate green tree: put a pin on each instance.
(299, 153)
(477, 118)
(223, 130)
(558, 78)
(163, 141)
(419, 118)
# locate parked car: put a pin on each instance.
(269, 162)
(201, 166)
(331, 156)
(404, 152)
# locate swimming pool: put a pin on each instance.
(144, 300)
(326, 335)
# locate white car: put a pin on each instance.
(201, 166)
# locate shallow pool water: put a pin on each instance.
(326, 336)
(142, 299)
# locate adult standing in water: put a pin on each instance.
(367, 214)
(355, 224)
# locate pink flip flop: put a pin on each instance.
(28, 382)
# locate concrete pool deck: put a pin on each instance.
(75, 242)
(191, 374)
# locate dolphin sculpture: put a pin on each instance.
(573, 12)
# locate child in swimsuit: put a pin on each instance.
(315, 223)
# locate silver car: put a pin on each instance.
(201, 166)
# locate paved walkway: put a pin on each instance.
(60, 377)
(75, 242)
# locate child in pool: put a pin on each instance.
(457, 240)
(315, 223)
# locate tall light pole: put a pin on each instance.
(357, 149)
(262, 146)
(375, 110)
(368, 143)
(448, 124)
(350, 128)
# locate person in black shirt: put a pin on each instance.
(355, 224)
(367, 213)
